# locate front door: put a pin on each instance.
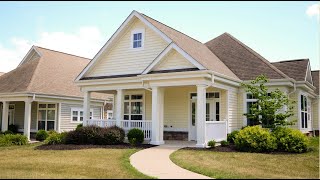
(11, 114)
(209, 116)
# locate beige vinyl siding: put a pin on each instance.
(148, 105)
(122, 55)
(315, 114)
(65, 117)
(233, 121)
(173, 60)
(295, 117)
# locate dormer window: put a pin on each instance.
(137, 38)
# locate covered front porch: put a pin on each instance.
(192, 109)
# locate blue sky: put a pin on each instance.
(276, 30)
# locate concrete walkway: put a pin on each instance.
(155, 162)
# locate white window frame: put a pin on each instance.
(56, 114)
(307, 111)
(136, 100)
(246, 101)
(135, 31)
(78, 117)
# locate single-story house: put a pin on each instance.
(173, 86)
(40, 93)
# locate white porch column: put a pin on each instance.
(86, 107)
(27, 118)
(157, 116)
(5, 111)
(119, 107)
(201, 116)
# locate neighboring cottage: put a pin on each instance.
(174, 87)
(40, 93)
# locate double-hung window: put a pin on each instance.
(250, 101)
(47, 116)
(133, 107)
(304, 111)
(77, 114)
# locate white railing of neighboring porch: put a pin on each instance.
(144, 125)
(216, 130)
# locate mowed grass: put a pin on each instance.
(25, 162)
(250, 165)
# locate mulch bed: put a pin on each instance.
(77, 147)
(230, 148)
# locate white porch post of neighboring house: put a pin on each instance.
(201, 116)
(157, 115)
(27, 118)
(86, 107)
(5, 111)
(119, 107)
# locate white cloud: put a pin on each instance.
(313, 10)
(86, 42)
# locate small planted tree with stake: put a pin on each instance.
(268, 110)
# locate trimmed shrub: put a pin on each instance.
(231, 137)
(290, 140)
(212, 144)
(95, 135)
(255, 139)
(13, 139)
(56, 138)
(13, 128)
(8, 132)
(135, 136)
(224, 143)
(41, 135)
(113, 135)
(79, 126)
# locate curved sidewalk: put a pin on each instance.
(155, 162)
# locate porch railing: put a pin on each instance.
(144, 125)
(216, 130)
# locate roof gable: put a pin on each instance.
(242, 60)
(172, 58)
(195, 49)
(32, 54)
(298, 69)
(120, 31)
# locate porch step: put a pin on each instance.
(175, 135)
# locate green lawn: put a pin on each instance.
(250, 165)
(25, 162)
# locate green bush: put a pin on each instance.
(95, 135)
(135, 136)
(8, 132)
(232, 136)
(224, 143)
(41, 135)
(212, 144)
(255, 139)
(13, 128)
(290, 140)
(113, 135)
(56, 138)
(13, 139)
(79, 126)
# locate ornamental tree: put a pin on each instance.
(272, 108)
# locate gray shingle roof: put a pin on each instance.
(242, 60)
(315, 79)
(295, 69)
